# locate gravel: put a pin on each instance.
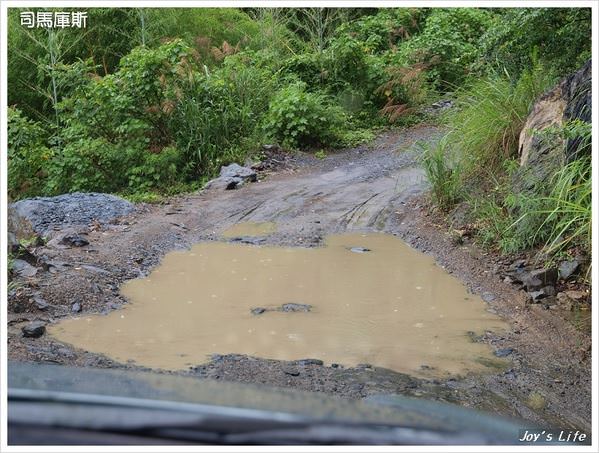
(74, 209)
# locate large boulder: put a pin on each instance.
(41, 215)
(232, 177)
(569, 99)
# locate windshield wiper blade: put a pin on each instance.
(208, 424)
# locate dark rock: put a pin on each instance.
(286, 308)
(359, 249)
(540, 158)
(232, 177)
(44, 214)
(305, 362)
(504, 352)
(531, 283)
(34, 329)
(335, 365)
(74, 240)
(295, 307)
(549, 290)
(248, 240)
(364, 366)
(291, 371)
(40, 303)
(577, 89)
(237, 171)
(548, 276)
(540, 278)
(76, 307)
(23, 269)
(536, 296)
(234, 183)
(568, 268)
(519, 264)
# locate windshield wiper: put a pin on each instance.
(162, 420)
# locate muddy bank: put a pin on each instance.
(374, 188)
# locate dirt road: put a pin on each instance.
(377, 187)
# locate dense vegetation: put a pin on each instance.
(155, 101)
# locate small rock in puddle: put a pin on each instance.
(295, 307)
(359, 250)
(287, 308)
(249, 240)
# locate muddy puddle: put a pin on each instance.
(362, 298)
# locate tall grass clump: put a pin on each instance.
(443, 173)
(489, 117)
(568, 208)
(554, 214)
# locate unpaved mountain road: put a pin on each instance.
(372, 188)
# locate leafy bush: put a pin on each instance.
(90, 164)
(28, 155)
(300, 119)
(388, 28)
(450, 38)
(354, 137)
(156, 170)
(217, 120)
(558, 37)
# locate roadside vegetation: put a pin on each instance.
(148, 102)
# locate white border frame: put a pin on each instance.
(274, 3)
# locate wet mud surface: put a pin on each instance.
(545, 361)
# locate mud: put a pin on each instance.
(390, 306)
(375, 188)
(250, 229)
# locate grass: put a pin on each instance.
(443, 174)
(567, 209)
(476, 162)
(490, 113)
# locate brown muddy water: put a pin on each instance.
(390, 306)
